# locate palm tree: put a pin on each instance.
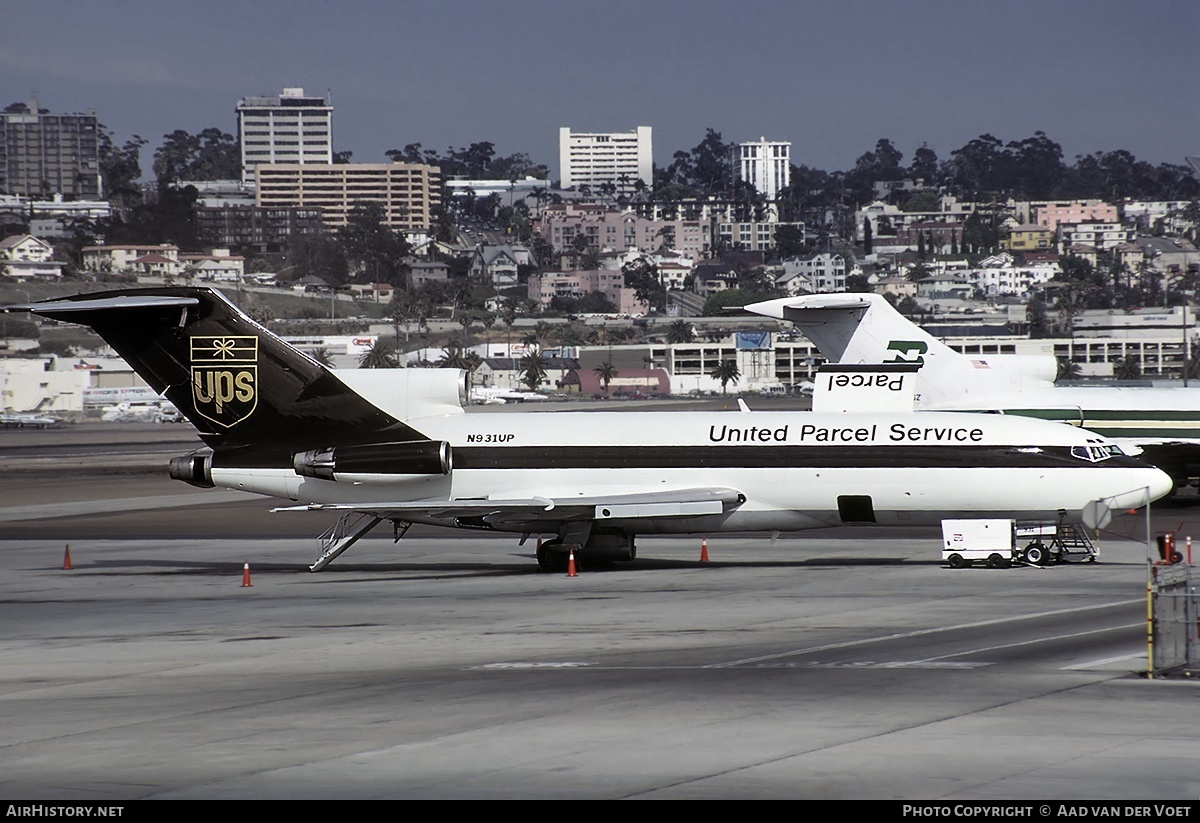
(727, 372)
(533, 369)
(606, 371)
(680, 331)
(453, 357)
(1127, 368)
(322, 356)
(1068, 370)
(381, 355)
(539, 195)
(488, 320)
(509, 316)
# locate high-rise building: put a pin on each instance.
(765, 164)
(408, 192)
(43, 154)
(290, 128)
(620, 158)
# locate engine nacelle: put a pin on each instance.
(429, 457)
(193, 469)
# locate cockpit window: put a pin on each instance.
(1096, 454)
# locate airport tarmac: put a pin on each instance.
(837, 664)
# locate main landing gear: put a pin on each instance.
(596, 547)
(552, 557)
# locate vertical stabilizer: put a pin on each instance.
(857, 329)
(241, 386)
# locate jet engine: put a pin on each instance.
(429, 457)
(193, 469)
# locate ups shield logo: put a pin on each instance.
(225, 377)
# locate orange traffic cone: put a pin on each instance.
(246, 576)
(67, 559)
(703, 549)
(571, 564)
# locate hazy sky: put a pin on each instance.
(831, 76)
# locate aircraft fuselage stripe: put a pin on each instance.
(677, 457)
(546, 456)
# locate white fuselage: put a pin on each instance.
(796, 470)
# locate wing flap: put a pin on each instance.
(677, 503)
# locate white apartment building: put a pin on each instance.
(999, 275)
(1101, 235)
(1170, 216)
(290, 128)
(814, 274)
(23, 256)
(220, 266)
(764, 164)
(591, 159)
(131, 259)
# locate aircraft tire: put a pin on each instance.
(1035, 554)
(549, 559)
(955, 561)
(1176, 557)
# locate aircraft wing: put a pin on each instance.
(535, 510)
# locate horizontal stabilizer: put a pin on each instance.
(828, 320)
(62, 309)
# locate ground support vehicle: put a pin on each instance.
(1043, 544)
(999, 544)
(965, 542)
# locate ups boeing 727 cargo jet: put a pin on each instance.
(396, 445)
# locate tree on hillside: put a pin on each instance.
(790, 242)
(478, 161)
(641, 275)
(708, 166)
(166, 216)
(120, 169)
(924, 165)
(210, 155)
(880, 164)
(317, 255)
(377, 250)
